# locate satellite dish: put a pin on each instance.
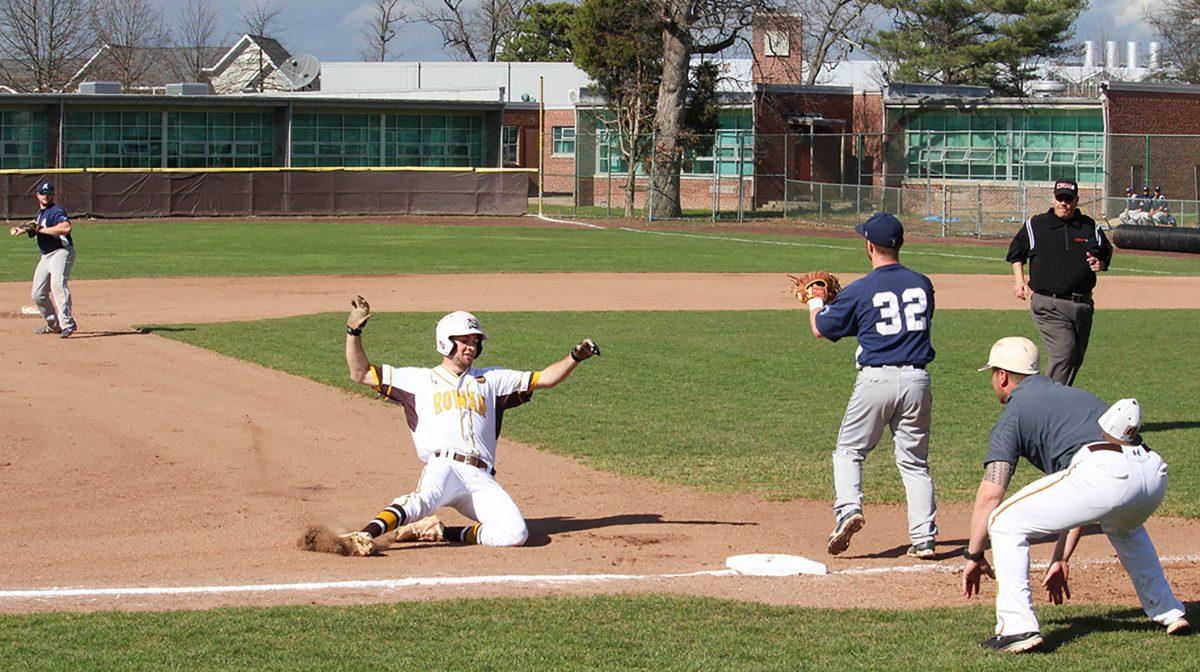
(300, 71)
(573, 96)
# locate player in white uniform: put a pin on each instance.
(454, 412)
(1099, 472)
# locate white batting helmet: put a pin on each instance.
(458, 323)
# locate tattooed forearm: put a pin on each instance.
(998, 473)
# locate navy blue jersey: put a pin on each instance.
(50, 216)
(890, 311)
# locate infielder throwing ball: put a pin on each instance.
(1100, 472)
(890, 311)
(454, 412)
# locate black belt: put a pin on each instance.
(895, 366)
(1077, 298)
(469, 460)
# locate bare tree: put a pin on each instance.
(43, 42)
(131, 32)
(380, 30)
(261, 17)
(831, 30)
(474, 30)
(1176, 22)
(690, 27)
(195, 37)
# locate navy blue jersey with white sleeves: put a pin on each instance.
(890, 311)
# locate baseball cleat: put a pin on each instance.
(47, 329)
(924, 550)
(1179, 626)
(425, 529)
(358, 544)
(847, 525)
(1026, 641)
(66, 333)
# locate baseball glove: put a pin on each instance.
(816, 285)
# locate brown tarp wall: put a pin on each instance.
(275, 192)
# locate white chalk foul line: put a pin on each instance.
(377, 584)
(452, 581)
(760, 241)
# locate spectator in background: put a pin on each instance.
(1133, 207)
(1160, 214)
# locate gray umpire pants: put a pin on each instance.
(50, 277)
(900, 399)
(1065, 327)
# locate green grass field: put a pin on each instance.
(749, 401)
(214, 248)
(595, 633)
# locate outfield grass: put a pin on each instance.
(208, 248)
(749, 401)
(595, 633)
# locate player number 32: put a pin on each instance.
(915, 303)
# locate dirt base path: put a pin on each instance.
(117, 304)
(129, 460)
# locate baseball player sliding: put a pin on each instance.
(454, 412)
(890, 311)
(1099, 472)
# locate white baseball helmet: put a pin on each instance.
(1123, 420)
(458, 323)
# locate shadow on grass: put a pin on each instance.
(542, 529)
(1124, 620)
(1175, 424)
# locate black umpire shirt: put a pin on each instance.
(1056, 252)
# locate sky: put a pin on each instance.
(333, 30)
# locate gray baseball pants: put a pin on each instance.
(50, 277)
(900, 399)
(1065, 327)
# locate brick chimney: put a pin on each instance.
(778, 45)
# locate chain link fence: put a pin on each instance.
(940, 183)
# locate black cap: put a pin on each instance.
(882, 229)
(46, 187)
(1066, 188)
(1129, 190)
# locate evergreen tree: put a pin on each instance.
(993, 43)
(542, 34)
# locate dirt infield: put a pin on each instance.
(130, 460)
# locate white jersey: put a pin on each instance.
(460, 414)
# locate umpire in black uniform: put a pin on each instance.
(1064, 249)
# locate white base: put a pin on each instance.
(29, 310)
(774, 564)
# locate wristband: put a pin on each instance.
(973, 557)
(353, 332)
(816, 303)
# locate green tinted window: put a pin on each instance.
(24, 139)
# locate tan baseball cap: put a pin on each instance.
(1122, 420)
(1013, 353)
